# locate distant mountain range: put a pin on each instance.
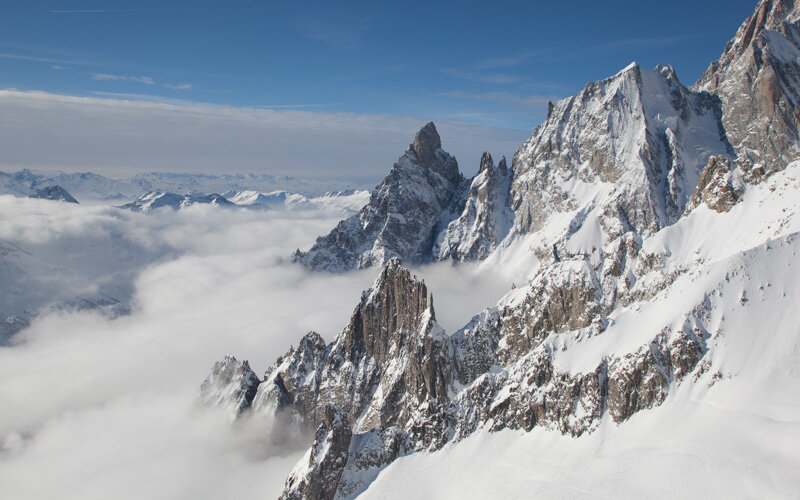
(348, 201)
(87, 186)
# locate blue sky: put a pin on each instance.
(493, 64)
(324, 90)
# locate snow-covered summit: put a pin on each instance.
(632, 146)
(155, 199)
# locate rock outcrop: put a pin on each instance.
(318, 473)
(390, 360)
(719, 187)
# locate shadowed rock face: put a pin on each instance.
(318, 473)
(391, 358)
(757, 80)
(56, 193)
(426, 143)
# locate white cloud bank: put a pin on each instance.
(104, 408)
(120, 137)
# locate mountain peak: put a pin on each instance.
(486, 162)
(632, 67)
(56, 193)
(426, 143)
(424, 185)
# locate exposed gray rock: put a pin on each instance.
(391, 358)
(291, 386)
(757, 80)
(317, 474)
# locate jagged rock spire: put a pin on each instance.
(421, 193)
(426, 143)
(486, 162)
(396, 302)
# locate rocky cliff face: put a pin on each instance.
(757, 80)
(384, 370)
(719, 187)
(421, 195)
(391, 359)
(486, 218)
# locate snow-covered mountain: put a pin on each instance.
(94, 187)
(155, 199)
(345, 202)
(626, 153)
(654, 228)
(261, 201)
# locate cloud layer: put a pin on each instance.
(106, 406)
(120, 137)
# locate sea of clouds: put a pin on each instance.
(99, 405)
